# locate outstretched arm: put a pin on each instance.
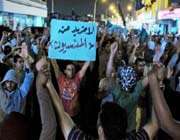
(26, 85)
(48, 118)
(109, 68)
(4, 36)
(131, 58)
(152, 126)
(83, 70)
(66, 123)
(56, 69)
(162, 110)
(102, 38)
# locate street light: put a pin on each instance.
(112, 8)
(52, 6)
(115, 12)
(129, 7)
(103, 1)
(95, 7)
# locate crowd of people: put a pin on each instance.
(131, 91)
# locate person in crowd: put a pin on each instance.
(22, 61)
(48, 118)
(69, 84)
(165, 119)
(19, 68)
(127, 92)
(105, 89)
(15, 127)
(111, 123)
(158, 51)
(140, 67)
(123, 70)
(112, 112)
(13, 95)
(168, 53)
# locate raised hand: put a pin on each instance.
(43, 69)
(104, 31)
(152, 77)
(135, 42)
(4, 37)
(24, 51)
(18, 34)
(169, 72)
(114, 48)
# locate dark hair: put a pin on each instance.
(113, 120)
(22, 41)
(158, 41)
(139, 60)
(7, 49)
(148, 55)
(15, 127)
(16, 57)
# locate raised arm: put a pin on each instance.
(48, 118)
(145, 81)
(56, 69)
(18, 37)
(160, 73)
(152, 126)
(102, 39)
(131, 58)
(65, 121)
(83, 70)
(109, 68)
(26, 85)
(4, 36)
(162, 110)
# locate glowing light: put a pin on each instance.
(129, 7)
(112, 7)
(103, 1)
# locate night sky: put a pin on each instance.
(82, 7)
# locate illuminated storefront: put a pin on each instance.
(18, 14)
(170, 19)
(154, 7)
(148, 15)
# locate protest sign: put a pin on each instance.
(72, 40)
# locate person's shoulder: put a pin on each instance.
(116, 90)
(77, 134)
(61, 77)
(139, 85)
(77, 77)
(139, 135)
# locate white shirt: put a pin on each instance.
(151, 45)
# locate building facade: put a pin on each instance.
(161, 16)
(18, 14)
